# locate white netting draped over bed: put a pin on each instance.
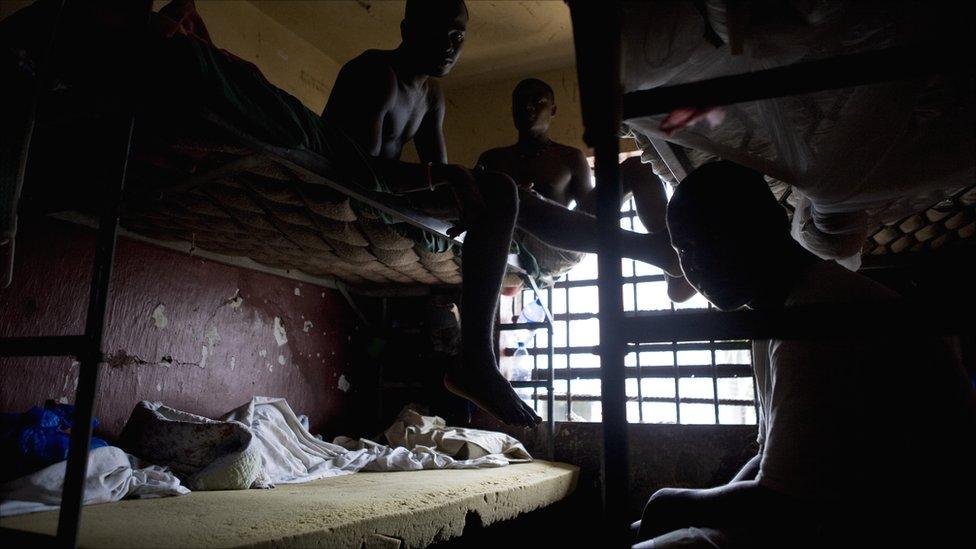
(856, 156)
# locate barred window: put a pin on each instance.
(706, 382)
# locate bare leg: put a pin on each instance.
(485, 253)
(738, 504)
(652, 208)
(576, 230)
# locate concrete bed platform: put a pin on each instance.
(371, 509)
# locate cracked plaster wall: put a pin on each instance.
(197, 335)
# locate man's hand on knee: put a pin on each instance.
(471, 203)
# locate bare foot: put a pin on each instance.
(659, 253)
(679, 290)
(491, 392)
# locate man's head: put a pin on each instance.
(533, 105)
(433, 34)
(729, 232)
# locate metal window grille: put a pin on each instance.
(708, 382)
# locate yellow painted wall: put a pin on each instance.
(479, 117)
(288, 61)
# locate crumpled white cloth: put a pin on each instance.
(290, 454)
(411, 429)
(112, 475)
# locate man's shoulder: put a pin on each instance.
(498, 153)
(828, 282)
(568, 154)
(372, 63)
(567, 151)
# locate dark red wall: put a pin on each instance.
(49, 297)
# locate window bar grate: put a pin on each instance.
(714, 382)
(677, 378)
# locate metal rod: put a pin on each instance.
(897, 63)
(551, 387)
(523, 326)
(116, 164)
(596, 32)
(352, 304)
(724, 371)
(881, 319)
(72, 497)
(715, 384)
(657, 348)
(683, 400)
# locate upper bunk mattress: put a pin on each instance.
(417, 507)
(221, 159)
(856, 157)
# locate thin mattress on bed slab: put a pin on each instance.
(417, 507)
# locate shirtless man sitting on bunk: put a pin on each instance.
(561, 174)
(384, 99)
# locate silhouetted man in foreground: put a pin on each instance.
(864, 440)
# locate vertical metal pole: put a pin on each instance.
(115, 164)
(714, 381)
(596, 32)
(640, 393)
(677, 382)
(550, 395)
(72, 497)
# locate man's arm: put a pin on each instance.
(581, 184)
(429, 139)
(749, 470)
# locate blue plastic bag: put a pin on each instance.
(37, 438)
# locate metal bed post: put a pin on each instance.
(551, 395)
(113, 184)
(88, 347)
(73, 494)
(596, 33)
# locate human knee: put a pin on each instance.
(662, 499)
(499, 192)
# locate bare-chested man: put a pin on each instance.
(561, 174)
(384, 99)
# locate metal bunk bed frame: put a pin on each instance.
(87, 347)
(596, 33)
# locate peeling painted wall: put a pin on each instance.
(197, 335)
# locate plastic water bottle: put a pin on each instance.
(522, 369)
(533, 311)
